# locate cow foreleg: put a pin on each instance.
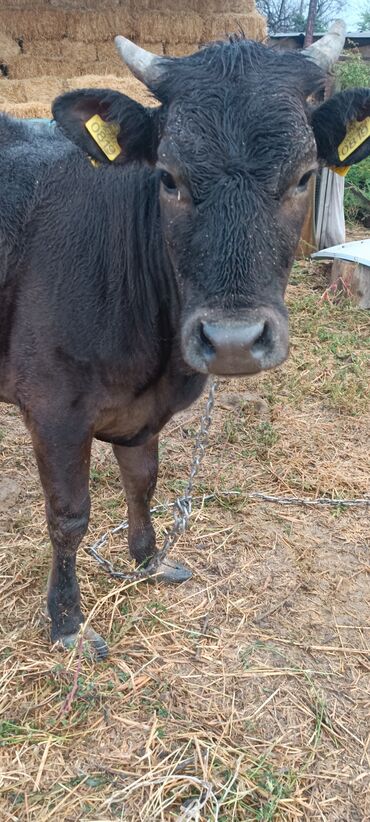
(63, 458)
(139, 469)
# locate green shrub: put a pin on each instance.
(358, 176)
(353, 71)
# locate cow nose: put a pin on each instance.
(237, 347)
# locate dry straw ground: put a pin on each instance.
(243, 694)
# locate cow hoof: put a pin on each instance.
(171, 572)
(92, 643)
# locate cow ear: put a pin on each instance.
(342, 128)
(108, 126)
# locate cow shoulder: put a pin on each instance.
(26, 155)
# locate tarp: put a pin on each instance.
(330, 224)
(356, 252)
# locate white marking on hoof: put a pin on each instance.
(91, 642)
(171, 571)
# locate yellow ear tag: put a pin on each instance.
(105, 136)
(341, 170)
(357, 133)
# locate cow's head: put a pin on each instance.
(234, 144)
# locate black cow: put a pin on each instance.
(124, 285)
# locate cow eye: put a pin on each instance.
(303, 183)
(168, 182)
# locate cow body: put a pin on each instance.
(123, 286)
(91, 308)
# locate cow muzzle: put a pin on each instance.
(236, 345)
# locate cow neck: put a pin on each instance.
(149, 284)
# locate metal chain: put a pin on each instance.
(182, 507)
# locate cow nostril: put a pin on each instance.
(264, 340)
(207, 344)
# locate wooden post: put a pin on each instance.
(307, 243)
(312, 9)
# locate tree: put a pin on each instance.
(364, 21)
(311, 20)
(291, 15)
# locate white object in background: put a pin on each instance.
(330, 225)
(356, 252)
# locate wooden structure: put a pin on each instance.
(294, 40)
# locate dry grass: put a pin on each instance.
(244, 694)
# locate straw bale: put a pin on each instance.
(107, 53)
(34, 26)
(42, 89)
(155, 48)
(96, 81)
(85, 5)
(126, 85)
(33, 67)
(13, 91)
(62, 49)
(257, 26)
(42, 49)
(102, 67)
(26, 5)
(9, 49)
(78, 50)
(155, 27)
(180, 49)
(91, 26)
(208, 7)
(33, 109)
(253, 25)
(204, 7)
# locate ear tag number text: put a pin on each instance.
(357, 133)
(105, 136)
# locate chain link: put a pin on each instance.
(182, 507)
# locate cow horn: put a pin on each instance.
(144, 65)
(327, 50)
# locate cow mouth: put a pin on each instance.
(235, 345)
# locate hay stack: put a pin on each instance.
(218, 25)
(32, 67)
(35, 22)
(33, 97)
(27, 110)
(9, 48)
(167, 27)
(46, 37)
(93, 26)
